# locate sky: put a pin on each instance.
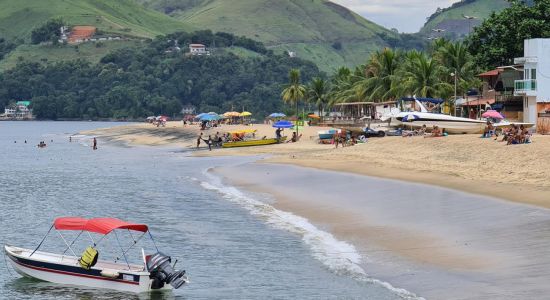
(405, 15)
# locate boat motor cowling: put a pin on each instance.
(162, 272)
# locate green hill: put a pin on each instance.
(317, 30)
(125, 17)
(452, 19)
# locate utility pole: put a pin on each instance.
(455, 74)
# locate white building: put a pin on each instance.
(535, 85)
(198, 49)
(20, 111)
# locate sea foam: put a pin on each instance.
(338, 256)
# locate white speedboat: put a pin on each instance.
(450, 124)
(156, 272)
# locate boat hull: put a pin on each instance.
(252, 143)
(450, 124)
(41, 266)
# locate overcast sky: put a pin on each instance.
(405, 15)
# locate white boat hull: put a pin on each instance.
(450, 124)
(64, 270)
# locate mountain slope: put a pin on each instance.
(126, 17)
(319, 30)
(452, 21)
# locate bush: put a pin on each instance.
(47, 32)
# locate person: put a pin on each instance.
(294, 138)
(436, 132)
(199, 140)
(217, 140)
(487, 106)
(70, 139)
(278, 133)
(336, 139)
(209, 142)
(94, 144)
(353, 140)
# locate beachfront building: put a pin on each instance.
(534, 87)
(20, 111)
(198, 49)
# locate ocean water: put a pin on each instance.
(233, 245)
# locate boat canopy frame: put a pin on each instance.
(102, 226)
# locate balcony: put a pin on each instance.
(526, 87)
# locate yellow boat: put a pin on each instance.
(250, 143)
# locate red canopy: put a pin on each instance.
(97, 225)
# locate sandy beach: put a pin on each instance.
(465, 162)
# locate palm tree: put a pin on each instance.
(381, 76)
(422, 77)
(294, 91)
(317, 92)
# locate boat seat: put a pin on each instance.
(89, 258)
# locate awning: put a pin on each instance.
(479, 102)
(494, 72)
(97, 225)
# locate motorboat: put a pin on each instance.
(327, 134)
(155, 273)
(449, 124)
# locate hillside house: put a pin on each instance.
(198, 49)
(534, 86)
(81, 34)
(188, 109)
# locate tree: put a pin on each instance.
(294, 91)
(500, 37)
(422, 77)
(49, 31)
(317, 93)
(381, 77)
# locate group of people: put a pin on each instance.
(212, 141)
(512, 135)
(423, 131)
(345, 139)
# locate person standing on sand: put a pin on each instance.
(95, 144)
(199, 140)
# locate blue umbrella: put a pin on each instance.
(208, 117)
(200, 115)
(277, 115)
(283, 124)
(410, 117)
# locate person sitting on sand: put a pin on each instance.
(421, 131)
(294, 138)
(353, 140)
(436, 132)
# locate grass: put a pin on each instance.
(308, 27)
(49, 53)
(480, 9)
(124, 17)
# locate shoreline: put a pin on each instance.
(465, 162)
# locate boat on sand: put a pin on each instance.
(250, 143)
(155, 273)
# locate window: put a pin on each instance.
(533, 73)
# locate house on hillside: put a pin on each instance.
(534, 86)
(198, 49)
(81, 34)
(188, 109)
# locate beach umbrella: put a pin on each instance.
(230, 114)
(283, 124)
(492, 114)
(410, 118)
(277, 115)
(246, 114)
(200, 115)
(209, 117)
(150, 118)
(313, 116)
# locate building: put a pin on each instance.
(81, 34)
(20, 111)
(534, 86)
(188, 109)
(198, 49)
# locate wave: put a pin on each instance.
(338, 256)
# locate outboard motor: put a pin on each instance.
(162, 272)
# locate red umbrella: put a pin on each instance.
(492, 114)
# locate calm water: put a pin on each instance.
(232, 245)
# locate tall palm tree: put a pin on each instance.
(422, 77)
(317, 92)
(381, 76)
(294, 91)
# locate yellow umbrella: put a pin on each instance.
(232, 114)
(246, 114)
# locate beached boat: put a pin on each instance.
(155, 273)
(327, 134)
(451, 124)
(250, 143)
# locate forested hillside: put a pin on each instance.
(132, 83)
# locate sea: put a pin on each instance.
(232, 244)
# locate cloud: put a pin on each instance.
(405, 15)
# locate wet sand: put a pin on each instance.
(436, 242)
